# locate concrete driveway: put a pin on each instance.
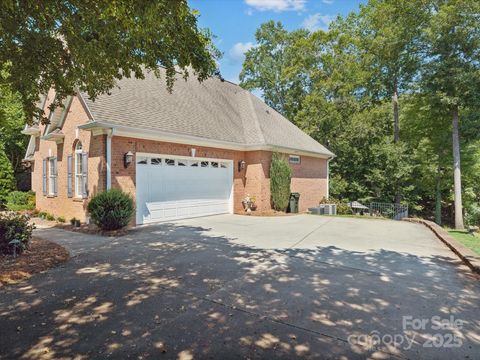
(248, 287)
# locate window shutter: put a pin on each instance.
(85, 175)
(44, 169)
(69, 176)
(55, 177)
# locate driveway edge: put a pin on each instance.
(471, 259)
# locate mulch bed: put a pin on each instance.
(93, 230)
(41, 255)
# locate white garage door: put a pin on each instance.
(171, 188)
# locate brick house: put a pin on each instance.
(196, 151)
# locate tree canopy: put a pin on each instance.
(88, 44)
(392, 89)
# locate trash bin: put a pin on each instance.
(293, 202)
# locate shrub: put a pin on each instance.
(14, 227)
(50, 217)
(111, 210)
(342, 206)
(280, 177)
(472, 215)
(7, 179)
(61, 219)
(20, 200)
(42, 215)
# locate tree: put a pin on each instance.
(12, 121)
(275, 67)
(452, 71)
(87, 45)
(7, 180)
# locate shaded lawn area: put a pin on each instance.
(469, 240)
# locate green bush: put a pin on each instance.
(472, 215)
(20, 200)
(7, 179)
(61, 219)
(342, 206)
(111, 210)
(280, 177)
(14, 227)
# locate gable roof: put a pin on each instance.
(212, 110)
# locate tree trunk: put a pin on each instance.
(396, 131)
(438, 199)
(457, 177)
(396, 116)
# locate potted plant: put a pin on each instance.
(249, 203)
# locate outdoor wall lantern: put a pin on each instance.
(241, 165)
(128, 158)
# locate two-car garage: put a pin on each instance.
(173, 187)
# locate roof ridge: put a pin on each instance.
(255, 117)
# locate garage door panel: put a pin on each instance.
(169, 192)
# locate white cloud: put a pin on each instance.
(237, 52)
(277, 5)
(329, 2)
(317, 21)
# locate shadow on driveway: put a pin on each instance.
(173, 291)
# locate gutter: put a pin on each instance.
(152, 134)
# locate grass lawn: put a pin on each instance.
(470, 241)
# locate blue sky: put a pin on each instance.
(234, 22)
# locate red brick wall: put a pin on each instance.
(309, 177)
(62, 205)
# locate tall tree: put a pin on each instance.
(275, 66)
(452, 70)
(89, 44)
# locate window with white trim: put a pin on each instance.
(52, 176)
(79, 170)
(294, 159)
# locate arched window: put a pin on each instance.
(80, 171)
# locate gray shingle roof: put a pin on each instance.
(213, 109)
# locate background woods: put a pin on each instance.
(393, 91)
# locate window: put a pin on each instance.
(181, 163)
(80, 181)
(142, 161)
(214, 164)
(223, 165)
(156, 161)
(52, 176)
(294, 159)
(194, 163)
(204, 164)
(170, 162)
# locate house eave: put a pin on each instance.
(31, 131)
(98, 127)
(58, 138)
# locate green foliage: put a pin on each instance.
(472, 215)
(111, 210)
(7, 179)
(12, 121)
(338, 86)
(20, 200)
(280, 177)
(61, 219)
(14, 227)
(88, 45)
(50, 217)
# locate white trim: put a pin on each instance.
(152, 134)
(328, 177)
(84, 103)
(173, 156)
(78, 183)
(108, 156)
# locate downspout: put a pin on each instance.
(108, 155)
(328, 176)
